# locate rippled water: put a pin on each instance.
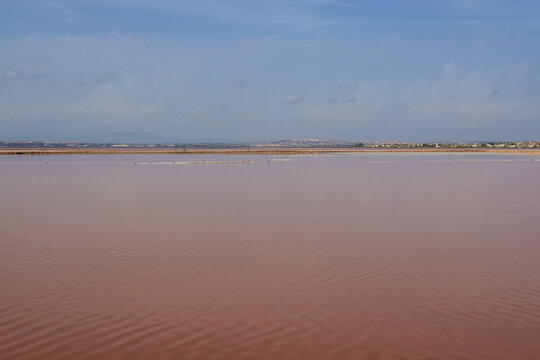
(422, 256)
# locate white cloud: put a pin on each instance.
(17, 73)
(293, 99)
(472, 100)
(10, 74)
(108, 100)
(131, 79)
(351, 86)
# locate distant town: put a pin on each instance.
(285, 144)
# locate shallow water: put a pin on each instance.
(377, 256)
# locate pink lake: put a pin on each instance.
(376, 256)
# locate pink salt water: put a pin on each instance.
(422, 256)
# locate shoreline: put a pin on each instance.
(254, 151)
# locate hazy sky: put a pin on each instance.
(218, 70)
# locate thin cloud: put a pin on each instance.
(468, 103)
(57, 10)
(240, 85)
(353, 86)
(293, 99)
(10, 74)
(39, 77)
(105, 78)
(344, 101)
(16, 73)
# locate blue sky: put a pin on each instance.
(239, 70)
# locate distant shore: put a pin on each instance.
(255, 151)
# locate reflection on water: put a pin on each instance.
(422, 256)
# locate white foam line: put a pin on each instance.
(192, 162)
(278, 159)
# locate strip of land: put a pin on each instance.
(254, 151)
